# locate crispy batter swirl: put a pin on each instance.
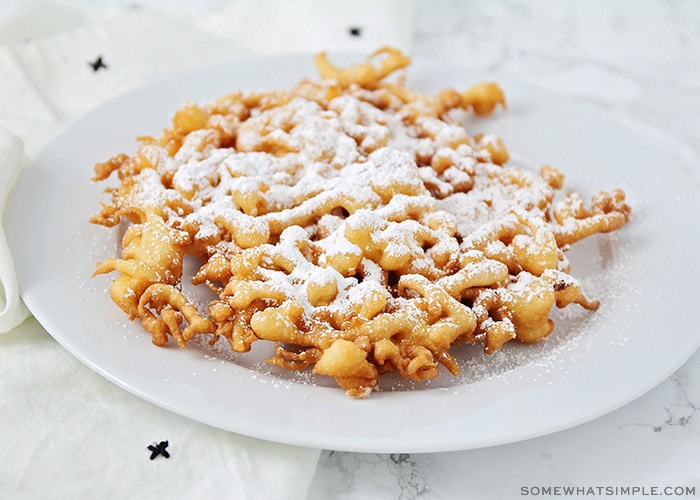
(350, 220)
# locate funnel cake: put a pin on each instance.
(350, 220)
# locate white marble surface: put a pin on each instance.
(640, 61)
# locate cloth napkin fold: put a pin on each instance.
(12, 310)
(66, 431)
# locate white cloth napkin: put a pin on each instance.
(66, 431)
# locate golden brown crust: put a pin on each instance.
(351, 221)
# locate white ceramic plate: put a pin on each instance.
(593, 363)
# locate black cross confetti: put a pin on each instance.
(159, 449)
(355, 31)
(98, 64)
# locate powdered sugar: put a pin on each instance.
(297, 164)
(329, 205)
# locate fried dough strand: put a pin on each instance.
(351, 221)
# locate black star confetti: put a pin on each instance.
(159, 449)
(355, 31)
(98, 64)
